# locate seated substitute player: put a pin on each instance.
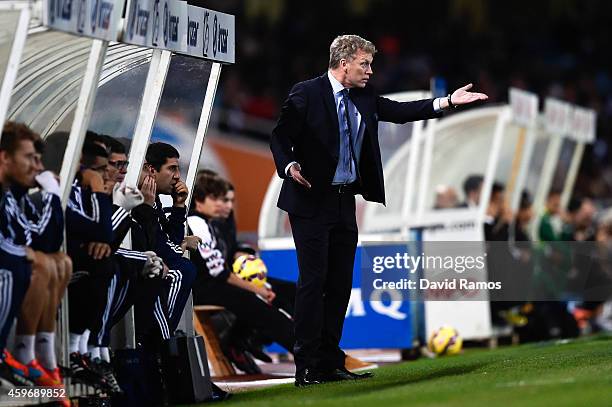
(89, 209)
(100, 264)
(25, 274)
(161, 175)
(132, 282)
(46, 223)
(217, 285)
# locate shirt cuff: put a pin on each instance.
(288, 166)
(436, 105)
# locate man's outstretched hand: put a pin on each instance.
(462, 96)
(295, 172)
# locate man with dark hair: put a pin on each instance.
(46, 222)
(89, 209)
(112, 271)
(117, 159)
(25, 274)
(471, 188)
(217, 284)
(498, 216)
(523, 218)
(161, 175)
(550, 228)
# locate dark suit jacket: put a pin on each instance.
(308, 132)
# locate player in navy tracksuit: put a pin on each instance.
(45, 217)
(137, 273)
(89, 235)
(24, 273)
(161, 175)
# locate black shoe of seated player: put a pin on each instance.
(81, 371)
(243, 360)
(256, 349)
(308, 377)
(219, 394)
(104, 369)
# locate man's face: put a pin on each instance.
(554, 204)
(474, 195)
(586, 213)
(211, 207)
(119, 163)
(358, 70)
(525, 215)
(167, 176)
(21, 167)
(227, 204)
(39, 163)
(101, 166)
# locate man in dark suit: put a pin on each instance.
(325, 147)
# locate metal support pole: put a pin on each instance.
(415, 148)
(487, 184)
(154, 86)
(430, 134)
(572, 173)
(548, 173)
(186, 322)
(10, 75)
(87, 97)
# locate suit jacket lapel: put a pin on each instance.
(333, 141)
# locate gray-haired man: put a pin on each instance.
(325, 147)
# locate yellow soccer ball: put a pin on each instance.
(445, 341)
(251, 268)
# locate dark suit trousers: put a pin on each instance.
(325, 246)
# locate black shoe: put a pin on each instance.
(307, 377)
(104, 369)
(341, 374)
(255, 349)
(82, 371)
(242, 360)
(219, 394)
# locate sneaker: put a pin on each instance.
(355, 365)
(19, 368)
(81, 371)
(243, 361)
(10, 379)
(57, 382)
(105, 369)
(42, 377)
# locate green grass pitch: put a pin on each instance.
(571, 373)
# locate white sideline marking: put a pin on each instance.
(523, 383)
(236, 387)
